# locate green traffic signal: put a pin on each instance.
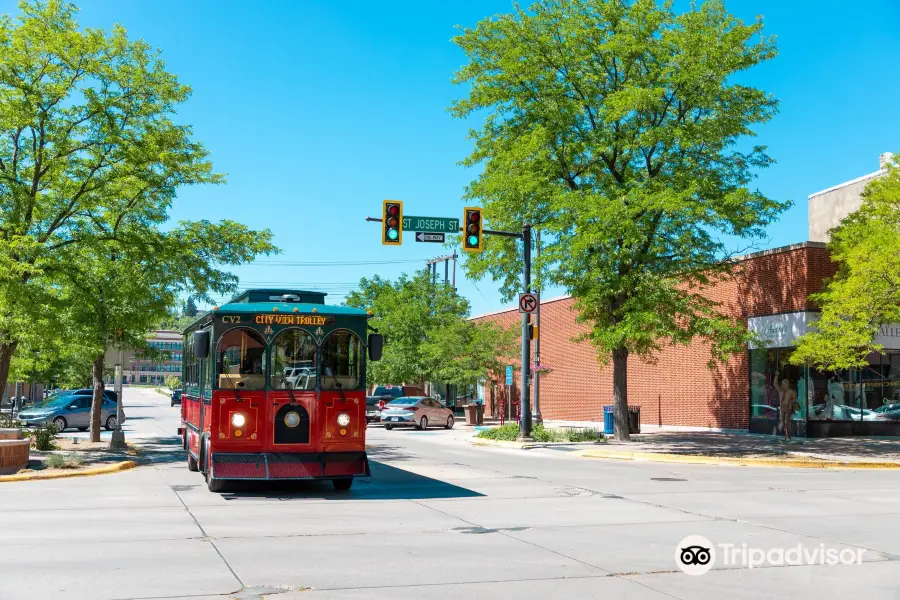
(473, 240)
(392, 234)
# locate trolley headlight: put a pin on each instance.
(343, 419)
(292, 419)
(238, 419)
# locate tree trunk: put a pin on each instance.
(620, 393)
(6, 353)
(97, 404)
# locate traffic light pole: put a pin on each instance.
(525, 400)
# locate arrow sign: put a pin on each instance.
(429, 237)
(528, 303)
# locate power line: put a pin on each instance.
(339, 263)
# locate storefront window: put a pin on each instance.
(294, 361)
(771, 377)
(241, 360)
(341, 361)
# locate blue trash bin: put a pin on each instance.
(609, 420)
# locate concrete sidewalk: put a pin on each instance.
(747, 445)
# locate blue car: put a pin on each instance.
(71, 409)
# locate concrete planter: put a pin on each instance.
(14, 451)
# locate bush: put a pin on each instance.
(44, 438)
(60, 461)
(504, 433)
(172, 382)
(510, 431)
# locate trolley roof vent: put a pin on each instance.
(280, 295)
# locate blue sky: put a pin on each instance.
(318, 109)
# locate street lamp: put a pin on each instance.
(117, 441)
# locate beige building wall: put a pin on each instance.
(829, 207)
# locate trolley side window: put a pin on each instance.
(342, 361)
(241, 360)
(293, 361)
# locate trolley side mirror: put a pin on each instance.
(201, 344)
(376, 346)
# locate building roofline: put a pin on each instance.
(770, 251)
(848, 183)
(513, 309)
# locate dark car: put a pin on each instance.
(176, 397)
(381, 395)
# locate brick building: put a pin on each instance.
(769, 291)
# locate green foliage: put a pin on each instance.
(427, 336)
(611, 126)
(504, 433)
(91, 160)
(173, 383)
(64, 461)
(510, 431)
(865, 293)
(44, 438)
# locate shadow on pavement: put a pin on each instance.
(386, 483)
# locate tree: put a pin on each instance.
(427, 334)
(119, 288)
(86, 131)
(190, 308)
(611, 125)
(864, 295)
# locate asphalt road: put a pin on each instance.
(440, 519)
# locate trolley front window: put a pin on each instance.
(341, 361)
(293, 361)
(241, 360)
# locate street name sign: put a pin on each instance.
(421, 236)
(431, 224)
(528, 303)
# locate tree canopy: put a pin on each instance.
(427, 335)
(613, 127)
(864, 295)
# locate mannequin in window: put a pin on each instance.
(788, 404)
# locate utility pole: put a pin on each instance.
(538, 420)
(454, 270)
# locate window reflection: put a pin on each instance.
(241, 360)
(341, 361)
(294, 361)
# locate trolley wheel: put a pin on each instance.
(342, 485)
(388, 426)
(423, 424)
(192, 463)
(216, 486)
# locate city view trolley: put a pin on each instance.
(274, 388)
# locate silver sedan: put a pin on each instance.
(416, 411)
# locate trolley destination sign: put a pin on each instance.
(431, 224)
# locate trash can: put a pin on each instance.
(609, 420)
(634, 419)
(471, 414)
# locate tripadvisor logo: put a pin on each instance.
(696, 555)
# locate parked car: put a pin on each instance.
(176, 397)
(416, 411)
(70, 410)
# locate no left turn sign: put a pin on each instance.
(528, 303)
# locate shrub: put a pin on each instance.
(60, 461)
(584, 435)
(505, 433)
(44, 438)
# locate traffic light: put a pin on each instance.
(392, 223)
(472, 233)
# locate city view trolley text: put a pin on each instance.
(274, 388)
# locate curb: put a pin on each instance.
(114, 468)
(805, 463)
(527, 445)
